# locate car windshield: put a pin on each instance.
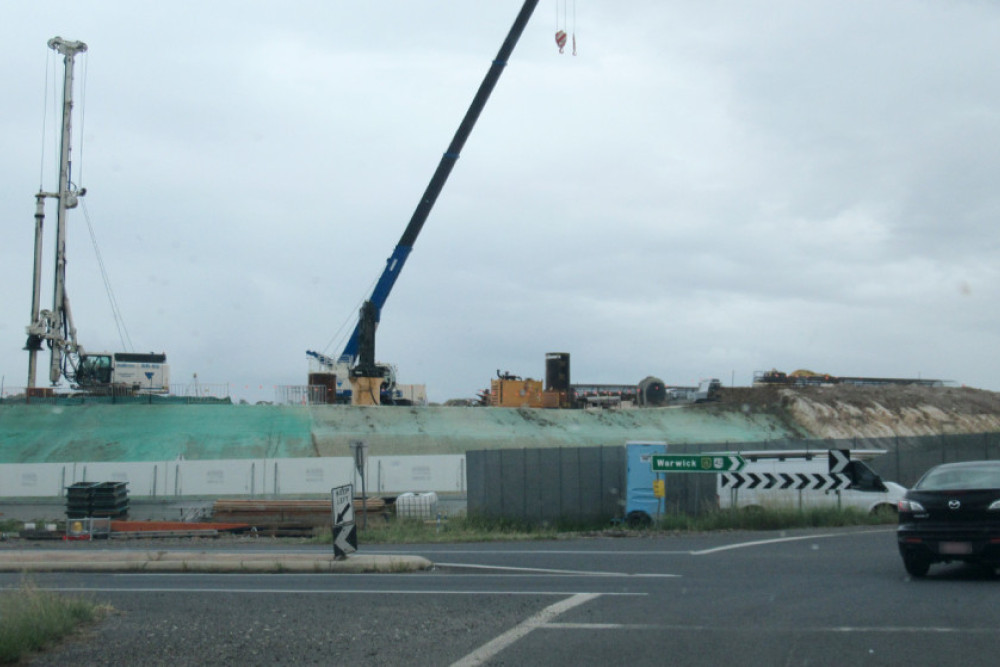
(985, 477)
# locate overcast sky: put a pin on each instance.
(706, 189)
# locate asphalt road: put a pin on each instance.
(816, 597)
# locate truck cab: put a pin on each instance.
(128, 372)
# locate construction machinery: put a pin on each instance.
(365, 376)
(95, 373)
(806, 378)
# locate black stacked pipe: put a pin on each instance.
(97, 499)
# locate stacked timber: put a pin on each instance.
(286, 513)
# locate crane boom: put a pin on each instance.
(402, 251)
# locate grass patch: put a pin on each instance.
(771, 519)
(10, 526)
(478, 529)
(31, 619)
(456, 529)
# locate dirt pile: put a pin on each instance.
(846, 411)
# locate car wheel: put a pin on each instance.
(916, 565)
(638, 519)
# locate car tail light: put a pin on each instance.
(914, 506)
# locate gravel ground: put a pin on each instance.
(277, 629)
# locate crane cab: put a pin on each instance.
(124, 372)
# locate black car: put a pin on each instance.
(951, 514)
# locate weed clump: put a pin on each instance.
(31, 619)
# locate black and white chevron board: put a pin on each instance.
(839, 460)
(785, 481)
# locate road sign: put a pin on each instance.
(342, 499)
(659, 488)
(345, 540)
(783, 481)
(345, 533)
(839, 458)
(697, 462)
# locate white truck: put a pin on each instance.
(801, 479)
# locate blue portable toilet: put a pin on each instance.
(641, 505)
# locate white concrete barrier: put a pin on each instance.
(239, 477)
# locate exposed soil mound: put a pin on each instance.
(846, 411)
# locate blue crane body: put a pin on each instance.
(396, 261)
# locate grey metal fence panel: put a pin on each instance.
(587, 483)
(580, 483)
(612, 481)
(549, 483)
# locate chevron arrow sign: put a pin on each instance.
(345, 540)
(839, 459)
(767, 481)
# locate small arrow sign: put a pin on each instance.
(345, 533)
(345, 540)
(839, 460)
(342, 501)
(697, 463)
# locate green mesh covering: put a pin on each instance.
(143, 432)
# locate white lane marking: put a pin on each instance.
(778, 540)
(591, 626)
(497, 644)
(332, 591)
(778, 630)
(528, 552)
(545, 570)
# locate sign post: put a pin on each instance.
(345, 535)
(709, 463)
(359, 449)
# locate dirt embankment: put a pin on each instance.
(846, 411)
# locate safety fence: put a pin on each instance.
(300, 394)
(251, 478)
(588, 483)
(575, 483)
(179, 393)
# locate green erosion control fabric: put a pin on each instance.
(136, 432)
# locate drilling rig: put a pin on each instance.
(99, 373)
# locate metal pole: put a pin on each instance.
(67, 200)
(364, 498)
(34, 344)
